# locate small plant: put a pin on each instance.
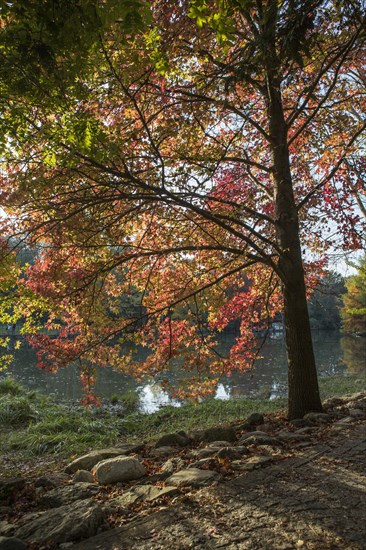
(130, 401)
(8, 386)
(15, 411)
(114, 399)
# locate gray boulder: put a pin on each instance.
(180, 439)
(143, 493)
(9, 487)
(193, 477)
(87, 461)
(219, 433)
(114, 470)
(68, 493)
(64, 524)
(83, 476)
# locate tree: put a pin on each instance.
(354, 302)
(208, 145)
(325, 301)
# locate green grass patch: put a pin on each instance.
(32, 424)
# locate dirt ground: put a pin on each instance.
(314, 499)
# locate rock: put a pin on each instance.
(218, 444)
(117, 469)
(6, 528)
(164, 451)
(68, 493)
(230, 453)
(143, 492)
(173, 439)
(344, 421)
(172, 465)
(9, 487)
(358, 404)
(299, 423)
(357, 413)
(12, 543)
(51, 481)
(332, 402)
(86, 462)
(219, 433)
(204, 453)
(258, 438)
(255, 419)
(253, 463)
(83, 476)
(67, 523)
(192, 477)
(307, 430)
(317, 418)
(204, 464)
(290, 437)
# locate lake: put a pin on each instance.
(335, 355)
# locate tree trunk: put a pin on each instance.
(302, 376)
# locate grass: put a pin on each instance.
(33, 425)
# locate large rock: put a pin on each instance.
(253, 463)
(68, 493)
(9, 487)
(143, 492)
(122, 468)
(253, 420)
(167, 440)
(193, 477)
(87, 461)
(219, 433)
(64, 524)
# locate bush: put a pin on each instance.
(8, 386)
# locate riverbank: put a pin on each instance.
(36, 431)
(262, 483)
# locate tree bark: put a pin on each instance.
(303, 389)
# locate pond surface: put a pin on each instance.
(335, 355)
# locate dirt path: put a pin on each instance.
(314, 500)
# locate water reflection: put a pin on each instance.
(268, 379)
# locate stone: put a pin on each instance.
(291, 437)
(357, 413)
(68, 493)
(143, 492)
(114, 470)
(333, 402)
(172, 465)
(83, 476)
(67, 523)
(358, 404)
(51, 481)
(299, 423)
(86, 462)
(218, 444)
(204, 464)
(219, 433)
(164, 451)
(317, 418)
(173, 439)
(9, 487)
(253, 463)
(12, 543)
(6, 528)
(229, 453)
(258, 438)
(193, 477)
(255, 419)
